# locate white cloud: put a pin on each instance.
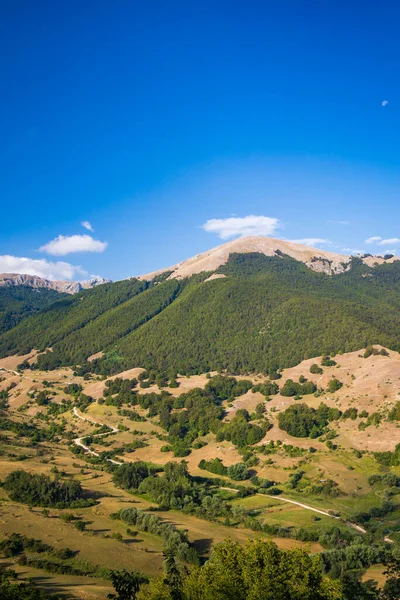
(373, 240)
(234, 226)
(66, 244)
(385, 102)
(40, 267)
(310, 241)
(389, 242)
(353, 251)
(339, 222)
(87, 225)
(391, 251)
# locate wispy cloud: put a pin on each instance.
(242, 226)
(67, 244)
(310, 241)
(385, 102)
(389, 241)
(345, 223)
(353, 251)
(40, 267)
(377, 239)
(390, 251)
(87, 225)
(373, 240)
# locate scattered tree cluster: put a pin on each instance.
(302, 421)
(41, 490)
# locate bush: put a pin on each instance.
(334, 385)
(267, 388)
(238, 472)
(292, 388)
(213, 466)
(327, 361)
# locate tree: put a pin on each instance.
(126, 584)
(301, 420)
(40, 490)
(130, 475)
(259, 570)
(391, 589)
(327, 361)
(334, 385)
(238, 472)
(173, 577)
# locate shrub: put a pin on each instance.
(316, 370)
(327, 361)
(238, 472)
(334, 385)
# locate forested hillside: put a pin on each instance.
(265, 313)
(20, 301)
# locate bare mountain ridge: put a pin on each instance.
(315, 258)
(68, 287)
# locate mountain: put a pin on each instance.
(256, 310)
(318, 260)
(19, 301)
(33, 281)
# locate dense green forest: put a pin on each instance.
(266, 313)
(20, 301)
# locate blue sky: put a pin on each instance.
(148, 119)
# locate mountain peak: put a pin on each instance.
(316, 259)
(34, 281)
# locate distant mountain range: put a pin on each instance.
(33, 281)
(252, 305)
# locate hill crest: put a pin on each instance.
(316, 259)
(36, 282)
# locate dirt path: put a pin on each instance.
(79, 440)
(16, 373)
(328, 514)
(307, 507)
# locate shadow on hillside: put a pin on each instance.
(203, 545)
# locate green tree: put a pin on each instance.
(334, 385)
(130, 475)
(127, 585)
(259, 570)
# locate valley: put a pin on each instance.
(246, 400)
(322, 484)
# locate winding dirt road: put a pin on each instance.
(79, 440)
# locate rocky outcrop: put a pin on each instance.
(68, 287)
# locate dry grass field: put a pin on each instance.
(371, 384)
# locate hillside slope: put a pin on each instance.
(261, 313)
(19, 301)
(316, 259)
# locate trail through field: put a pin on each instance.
(79, 440)
(328, 514)
(16, 373)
